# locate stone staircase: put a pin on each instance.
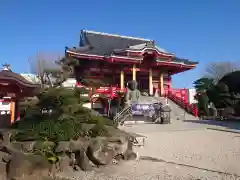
(178, 113)
(148, 100)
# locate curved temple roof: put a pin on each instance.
(103, 44)
(6, 74)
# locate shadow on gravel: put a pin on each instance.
(152, 159)
(234, 125)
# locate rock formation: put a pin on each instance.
(23, 159)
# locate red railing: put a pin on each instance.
(110, 92)
(180, 97)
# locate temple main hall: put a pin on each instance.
(119, 59)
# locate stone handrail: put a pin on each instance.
(122, 113)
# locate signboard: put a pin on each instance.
(191, 96)
(143, 109)
(5, 106)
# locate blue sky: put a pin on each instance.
(200, 30)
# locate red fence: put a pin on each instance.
(180, 97)
(110, 92)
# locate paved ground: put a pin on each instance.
(181, 150)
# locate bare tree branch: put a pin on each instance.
(217, 70)
(43, 65)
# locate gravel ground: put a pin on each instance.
(177, 151)
(206, 149)
(147, 170)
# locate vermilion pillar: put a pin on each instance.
(161, 84)
(12, 111)
(150, 82)
(122, 80)
(134, 72)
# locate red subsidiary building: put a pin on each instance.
(123, 58)
(13, 88)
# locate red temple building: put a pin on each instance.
(124, 58)
(13, 87)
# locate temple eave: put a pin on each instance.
(147, 49)
(175, 64)
(132, 60)
(140, 52)
(107, 58)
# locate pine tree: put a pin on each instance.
(57, 113)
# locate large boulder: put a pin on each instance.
(77, 150)
(63, 146)
(39, 145)
(23, 165)
(27, 146)
(124, 140)
(99, 152)
(120, 144)
(3, 154)
(82, 161)
(4, 159)
(3, 168)
(102, 150)
(19, 166)
(72, 146)
(129, 154)
(64, 162)
(5, 136)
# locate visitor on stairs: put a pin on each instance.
(166, 101)
(156, 94)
